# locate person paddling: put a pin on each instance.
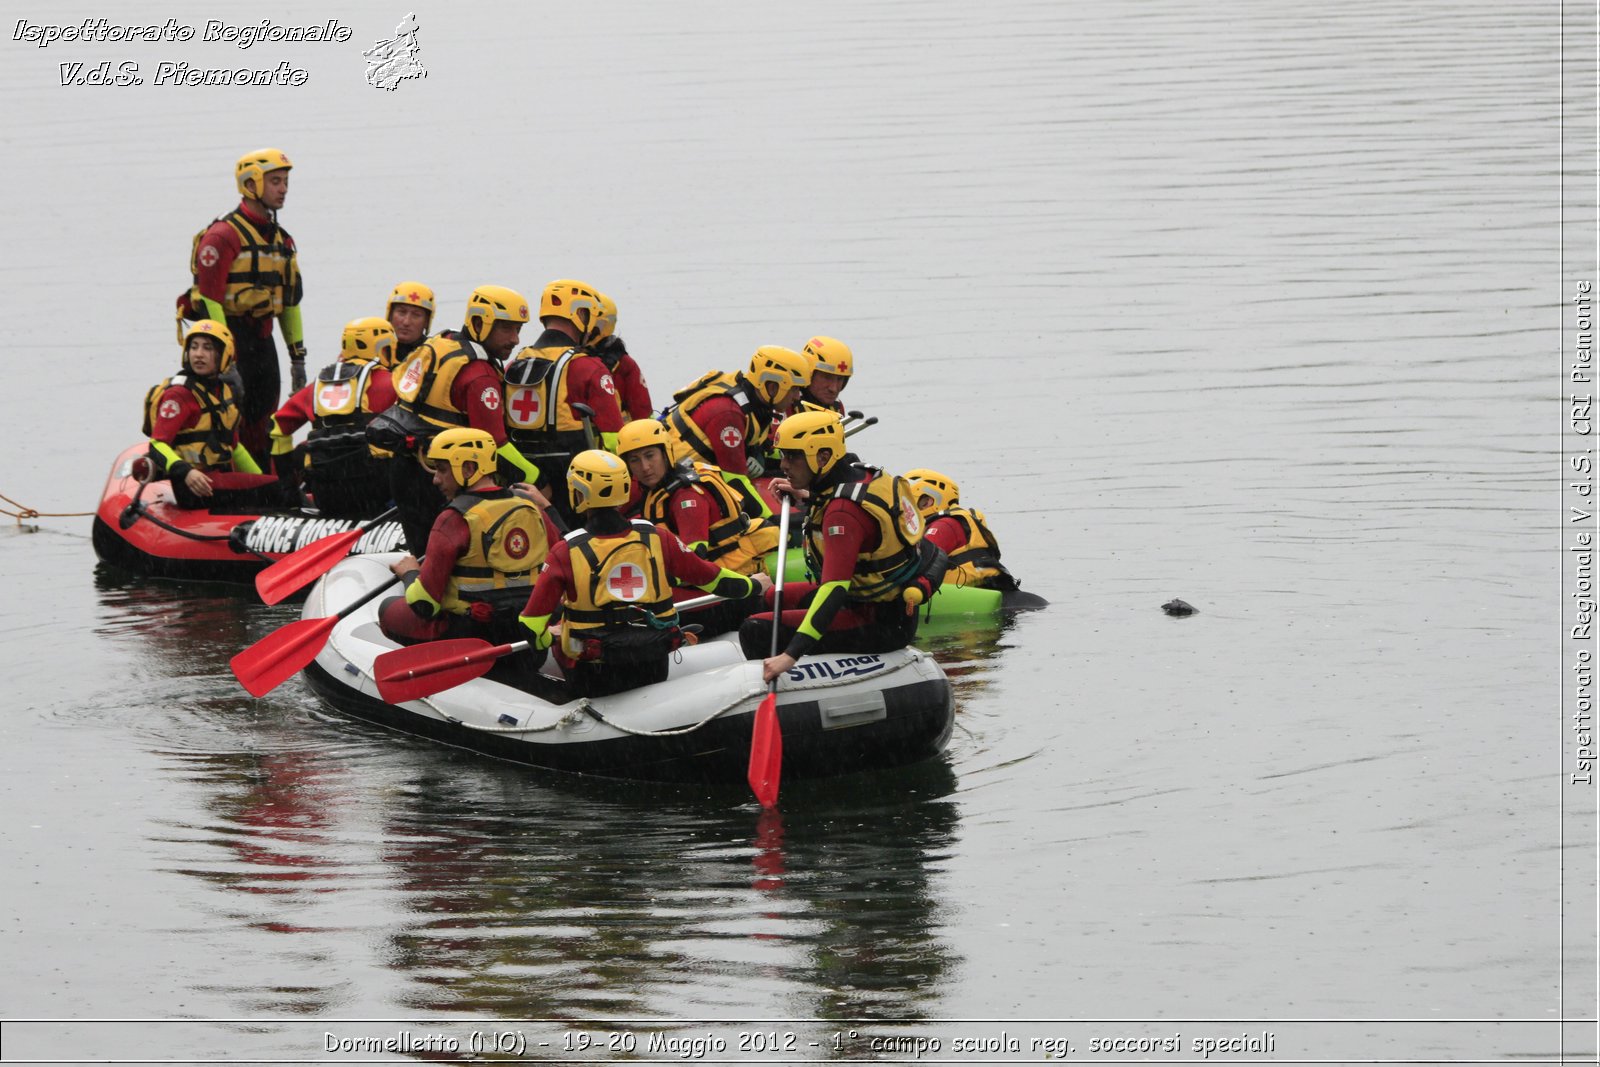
(864, 546)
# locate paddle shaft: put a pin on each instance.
(370, 595)
(861, 426)
(777, 581)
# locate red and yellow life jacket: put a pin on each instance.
(882, 572)
(618, 580)
(264, 277)
(979, 559)
(689, 439)
(342, 408)
(422, 383)
(208, 444)
(538, 415)
(506, 547)
(728, 522)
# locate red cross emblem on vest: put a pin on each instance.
(626, 582)
(411, 379)
(524, 406)
(334, 394)
(517, 544)
(913, 519)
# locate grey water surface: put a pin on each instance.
(1248, 303)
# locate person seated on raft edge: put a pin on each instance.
(963, 533)
(482, 552)
(612, 578)
(693, 501)
(346, 476)
(864, 545)
(192, 420)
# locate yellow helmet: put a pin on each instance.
(775, 371)
(460, 444)
(367, 341)
(830, 356)
(811, 432)
(417, 295)
(597, 479)
(489, 304)
(254, 166)
(642, 433)
(577, 302)
(605, 324)
(932, 484)
(209, 328)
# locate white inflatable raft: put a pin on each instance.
(838, 713)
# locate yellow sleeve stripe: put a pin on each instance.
(823, 594)
(415, 592)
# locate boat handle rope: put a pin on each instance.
(584, 707)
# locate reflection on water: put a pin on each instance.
(490, 893)
(495, 891)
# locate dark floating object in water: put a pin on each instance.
(1179, 608)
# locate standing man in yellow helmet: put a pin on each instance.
(560, 396)
(613, 580)
(246, 274)
(410, 312)
(864, 546)
(452, 379)
(482, 554)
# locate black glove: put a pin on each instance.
(297, 366)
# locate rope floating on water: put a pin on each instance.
(25, 513)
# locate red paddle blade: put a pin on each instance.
(271, 661)
(305, 566)
(423, 670)
(766, 752)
